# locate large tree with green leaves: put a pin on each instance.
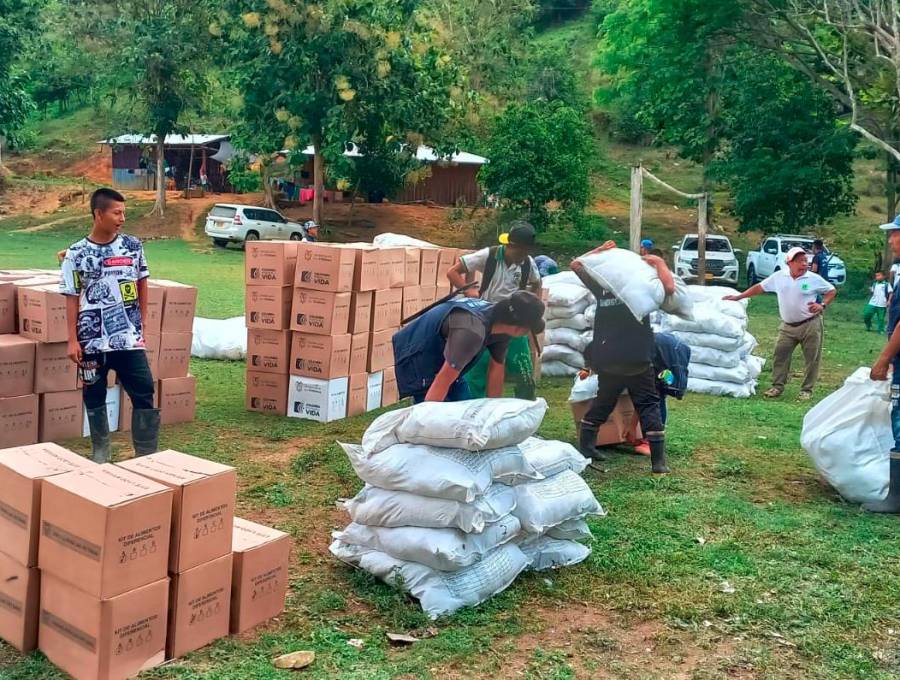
(17, 24)
(334, 72)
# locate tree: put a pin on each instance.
(321, 74)
(18, 22)
(540, 152)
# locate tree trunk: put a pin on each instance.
(187, 181)
(892, 175)
(159, 208)
(264, 168)
(318, 182)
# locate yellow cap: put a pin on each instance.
(504, 239)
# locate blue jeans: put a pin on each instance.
(459, 391)
(895, 406)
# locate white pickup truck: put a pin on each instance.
(721, 262)
(771, 257)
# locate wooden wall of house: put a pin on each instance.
(448, 185)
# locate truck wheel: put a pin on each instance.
(220, 242)
(751, 275)
(296, 236)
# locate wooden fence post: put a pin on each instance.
(702, 214)
(634, 221)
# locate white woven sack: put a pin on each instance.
(389, 240)
(567, 311)
(548, 502)
(550, 457)
(443, 549)
(679, 303)
(754, 366)
(385, 508)
(707, 320)
(571, 530)
(576, 321)
(719, 342)
(473, 425)
(716, 357)
(739, 374)
(568, 295)
(566, 336)
(848, 437)
(440, 592)
(625, 275)
(718, 388)
(545, 553)
(563, 353)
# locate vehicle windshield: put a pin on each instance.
(222, 211)
(713, 245)
(787, 245)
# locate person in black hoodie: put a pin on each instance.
(621, 355)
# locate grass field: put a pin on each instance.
(816, 581)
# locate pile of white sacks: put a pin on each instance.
(460, 498)
(569, 319)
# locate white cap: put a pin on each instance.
(794, 252)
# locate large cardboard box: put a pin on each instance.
(260, 574)
(126, 408)
(428, 270)
(105, 529)
(113, 406)
(358, 395)
(270, 263)
(177, 400)
(42, 313)
(151, 346)
(268, 307)
(7, 307)
(321, 313)
(315, 399)
(390, 394)
(203, 506)
(359, 353)
(393, 263)
(427, 296)
(387, 309)
(375, 384)
(327, 267)
(267, 392)
(19, 417)
(368, 273)
(268, 351)
(16, 365)
(447, 259)
(199, 606)
(618, 428)
(320, 356)
(20, 589)
(54, 371)
(103, 639)
(413, 263)
(22, 470)
(361, 312)
(156, 296)
(412, 301)
(381, 350)
(174, 355)
(179, 306)
(61, 415)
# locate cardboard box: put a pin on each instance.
(270, 263)
(203, 506)
(268, 351)
(393, 263)
(321, 313)
(368, 273)
(61, 415)
(361, 312)
(16, 365)
(105, 529)
(20, 589)
(126, 409)
(42, 313)
(179, 306)
(375, 384)
(268, 307)
(199, 606)
(447, 259)
(616, 429)
(177, 400)
(7, 307)
(113, 405)
(267, 393)
(174, 355)
(54, 371)
(315, 399)
(412, 300)
(390, 394)
(387, 309)
(320, 356)
(381, 350)
(427, 296)
(19, 417)
(103, 639)
(260, 574)
(327, 267)
(151, 346)
(428, 269)
(156, 296)
(22, 470)
(413, 264)
(358, 395)
(359, 353)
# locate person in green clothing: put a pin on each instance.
(505, 269)
(881, 292)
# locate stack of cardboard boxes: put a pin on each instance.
(321, 318)
(138, 562)
(40, 397)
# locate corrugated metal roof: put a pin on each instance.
(423, 153)
(171, 140)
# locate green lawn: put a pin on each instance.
(817, 582)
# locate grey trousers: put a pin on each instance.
(809, 337)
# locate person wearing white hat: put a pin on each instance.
(890, 357)
(800, 308)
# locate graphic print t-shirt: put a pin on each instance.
(105, 279)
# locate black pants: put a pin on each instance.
(133, 372)
(642, 389)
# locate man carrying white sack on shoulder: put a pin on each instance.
(622, 357)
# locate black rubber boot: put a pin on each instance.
(98, 422)
(657, 442)
(145, 431)
(587, 442)
(891, 504)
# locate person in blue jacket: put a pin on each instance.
(433, 352)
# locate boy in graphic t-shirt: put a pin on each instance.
(104, 277)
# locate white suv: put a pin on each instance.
(233, 223)
(721, 261)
